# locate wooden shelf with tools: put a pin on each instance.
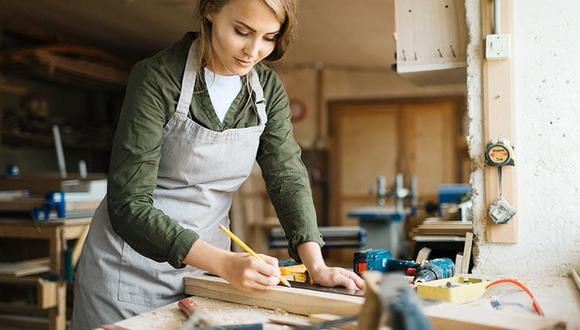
(51, 294)
(45, 297)
(33, 72)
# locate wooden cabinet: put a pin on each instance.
(51, 294)
(431, 38)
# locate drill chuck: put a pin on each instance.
(435, 269)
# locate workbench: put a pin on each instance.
(478, 315)
(51, 296)
(169, 317)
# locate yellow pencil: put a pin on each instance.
(249, 250)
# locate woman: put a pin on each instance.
(195, 118)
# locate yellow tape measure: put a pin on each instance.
(499, 152)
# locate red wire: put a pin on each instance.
(535, 303)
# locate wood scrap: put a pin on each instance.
(370, 314)
(423, 255)
(292, 300)
(576, 278)
(466, 253)
(437, 227)
(25, 268)
(458, 262)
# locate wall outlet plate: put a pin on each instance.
(497, 46)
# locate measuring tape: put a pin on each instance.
(500, 153)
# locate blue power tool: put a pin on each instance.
(435, 269)
(379, 260)
(54, 202)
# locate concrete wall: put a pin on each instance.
(548, 135)
(547, 99)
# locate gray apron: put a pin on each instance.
(199, 170)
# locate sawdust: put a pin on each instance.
(171, 318)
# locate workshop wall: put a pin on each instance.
(548, 116)
(346, 84)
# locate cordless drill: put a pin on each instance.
(434, 270)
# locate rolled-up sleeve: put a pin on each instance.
(284, 172)
(133, 174)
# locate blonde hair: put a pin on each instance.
(285, 11)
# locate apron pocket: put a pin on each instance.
(144, 281)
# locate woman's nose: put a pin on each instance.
(252, 48)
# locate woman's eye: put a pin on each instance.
(241, 33)
(270, 39)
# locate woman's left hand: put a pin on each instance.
(336, 276)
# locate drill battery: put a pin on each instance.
(371, 259)
(380, 260)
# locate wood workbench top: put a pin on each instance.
(169, 317)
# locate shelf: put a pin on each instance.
(13, 89)
(11, 136)
(45, 296)
(69, 64)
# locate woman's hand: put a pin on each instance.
(240, 269)
(336, 276)
(324, 275)
(248, 273)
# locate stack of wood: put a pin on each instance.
(437, 227)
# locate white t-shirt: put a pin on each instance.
(222, 91)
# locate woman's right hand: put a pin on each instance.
(240, 269)
(248, 273)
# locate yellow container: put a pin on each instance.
(456, 290)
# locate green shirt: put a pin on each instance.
(151, 99)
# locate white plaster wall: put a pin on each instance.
(546, 57)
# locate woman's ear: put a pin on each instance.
(208, 17)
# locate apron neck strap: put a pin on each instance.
(188, 85)
(188, 81)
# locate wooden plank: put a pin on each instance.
(57, 314)
(458, 262)
(499, 120)
(466, 253)
(46, 294)
(24, 268)
(297, 301)
(423, 255)
(76, 254)
(13, 89)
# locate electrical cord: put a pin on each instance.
(535, 304)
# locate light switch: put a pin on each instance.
(497, 46)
